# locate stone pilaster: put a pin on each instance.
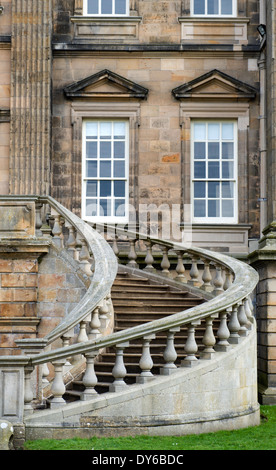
(30, 96)
(264, 261)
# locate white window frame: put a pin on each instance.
(100, 218)
(85, 9)
(219, 15)
(206, 219)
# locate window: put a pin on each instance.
(214, 174)
(105, 170)
(214, 7)
(106, 7)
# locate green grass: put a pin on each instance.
(262, 437)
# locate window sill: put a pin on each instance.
(213, 30)
(229, 238)
(112, 28)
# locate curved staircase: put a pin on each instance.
(162, 342)
(136, 300)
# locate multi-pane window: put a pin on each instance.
(214, 174)
(214, 7)
(106, 7)
(105, 170)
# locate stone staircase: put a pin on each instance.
(138, 300)
(162, 340)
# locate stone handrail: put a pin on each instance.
(83, 243)
(229, 301)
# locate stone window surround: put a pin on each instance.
(113, 110)
(220, 219)
(219, 111)
(106, 28)
(208, 28)
(241, 8)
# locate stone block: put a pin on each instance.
(17, 219)
(6, 434)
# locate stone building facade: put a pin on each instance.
(118, 104)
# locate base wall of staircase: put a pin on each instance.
(213, 395)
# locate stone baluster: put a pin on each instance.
(146, 362)
(45, 228)
(71, 241)
(84, 258)
(218, 281)
(57, 230)
(149, 258)
(62, 224)
(191, 347)
(165, 263)
(234, 326)
(28, 393)
(115, 246)
(180, 268)
(78, 247)
(248, 313)
(119, 371)
(38, 221)
(95, 324)
(170, 354)
(242, 320)
(207, 277)
(65, 343)
(103, 313)
(58, 387)
(194, 274)
(132, 256)
(209, 339)
(223, 333)
(228, 280)
(90, 378)
(44, 374)
(81, 338)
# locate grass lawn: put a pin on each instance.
(262, 437)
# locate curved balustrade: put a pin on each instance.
(96, 261)
(230, 303)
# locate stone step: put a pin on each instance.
(137, 301)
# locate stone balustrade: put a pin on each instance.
(225, 282)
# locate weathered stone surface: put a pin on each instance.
(17, 219)
(6, 434)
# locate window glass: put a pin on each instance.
(105, 159)
(214, 184)
(92, 7)
(213, 7)
(199, 7)
(106, 7)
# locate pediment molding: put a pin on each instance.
(105, 85)
(215, 85)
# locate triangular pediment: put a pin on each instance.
(105, 85)
(215, 85)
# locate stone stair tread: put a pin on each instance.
(143, 302)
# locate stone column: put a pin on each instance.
(264, 258)
(264, 261)
(30, 96)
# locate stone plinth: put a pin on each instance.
(18, 290)
(264, 261)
